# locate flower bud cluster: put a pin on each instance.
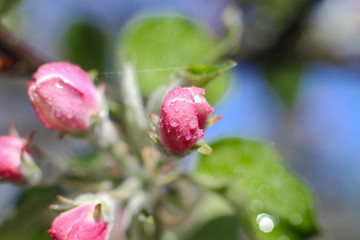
(65, 100)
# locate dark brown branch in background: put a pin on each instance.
(15, 57)
(286, 40)
(285, 47)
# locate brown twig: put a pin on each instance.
(14, 55)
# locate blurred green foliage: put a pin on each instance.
(160, 45)
(251, 174)
(31, 218)
(281, 11)
(85, 45)
(224, 227)
(6, 5)
(201, 75)
(284, 80)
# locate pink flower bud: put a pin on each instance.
(64, 97)
(81, 223)
(203, 107)
(182, 118)
(11, 149)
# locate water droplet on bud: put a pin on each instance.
(174, 123)
(57, 85)
(193, 123)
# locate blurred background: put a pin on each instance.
(297, 82)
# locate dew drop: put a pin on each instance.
(193, 123)
(264, 191)
(266, 222)
(174, 123)
(188, 137)
(257, 205)
(57, 85)
(295, 218)
(277, 170)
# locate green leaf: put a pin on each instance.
(210, 219)
(202, 147)
(284, 78)
(225, 227)
(85, 45)
(200, 75)
(7, 5)
(159, 46)
(252, 176)
(31, 218)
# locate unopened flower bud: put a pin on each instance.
(203, 107)
(16, 162)
(89, 220)
(64, 97)
(182, 118)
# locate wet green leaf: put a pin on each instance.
(159, 46)
(225, 227)
(284, 79)
(211, 218)
(88, 161)
(200, 75)
(252, 176)
(31, 217)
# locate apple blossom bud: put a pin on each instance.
(182, 118)
(89, 220)
(203, 107)
(64, 97)
(16, 162)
